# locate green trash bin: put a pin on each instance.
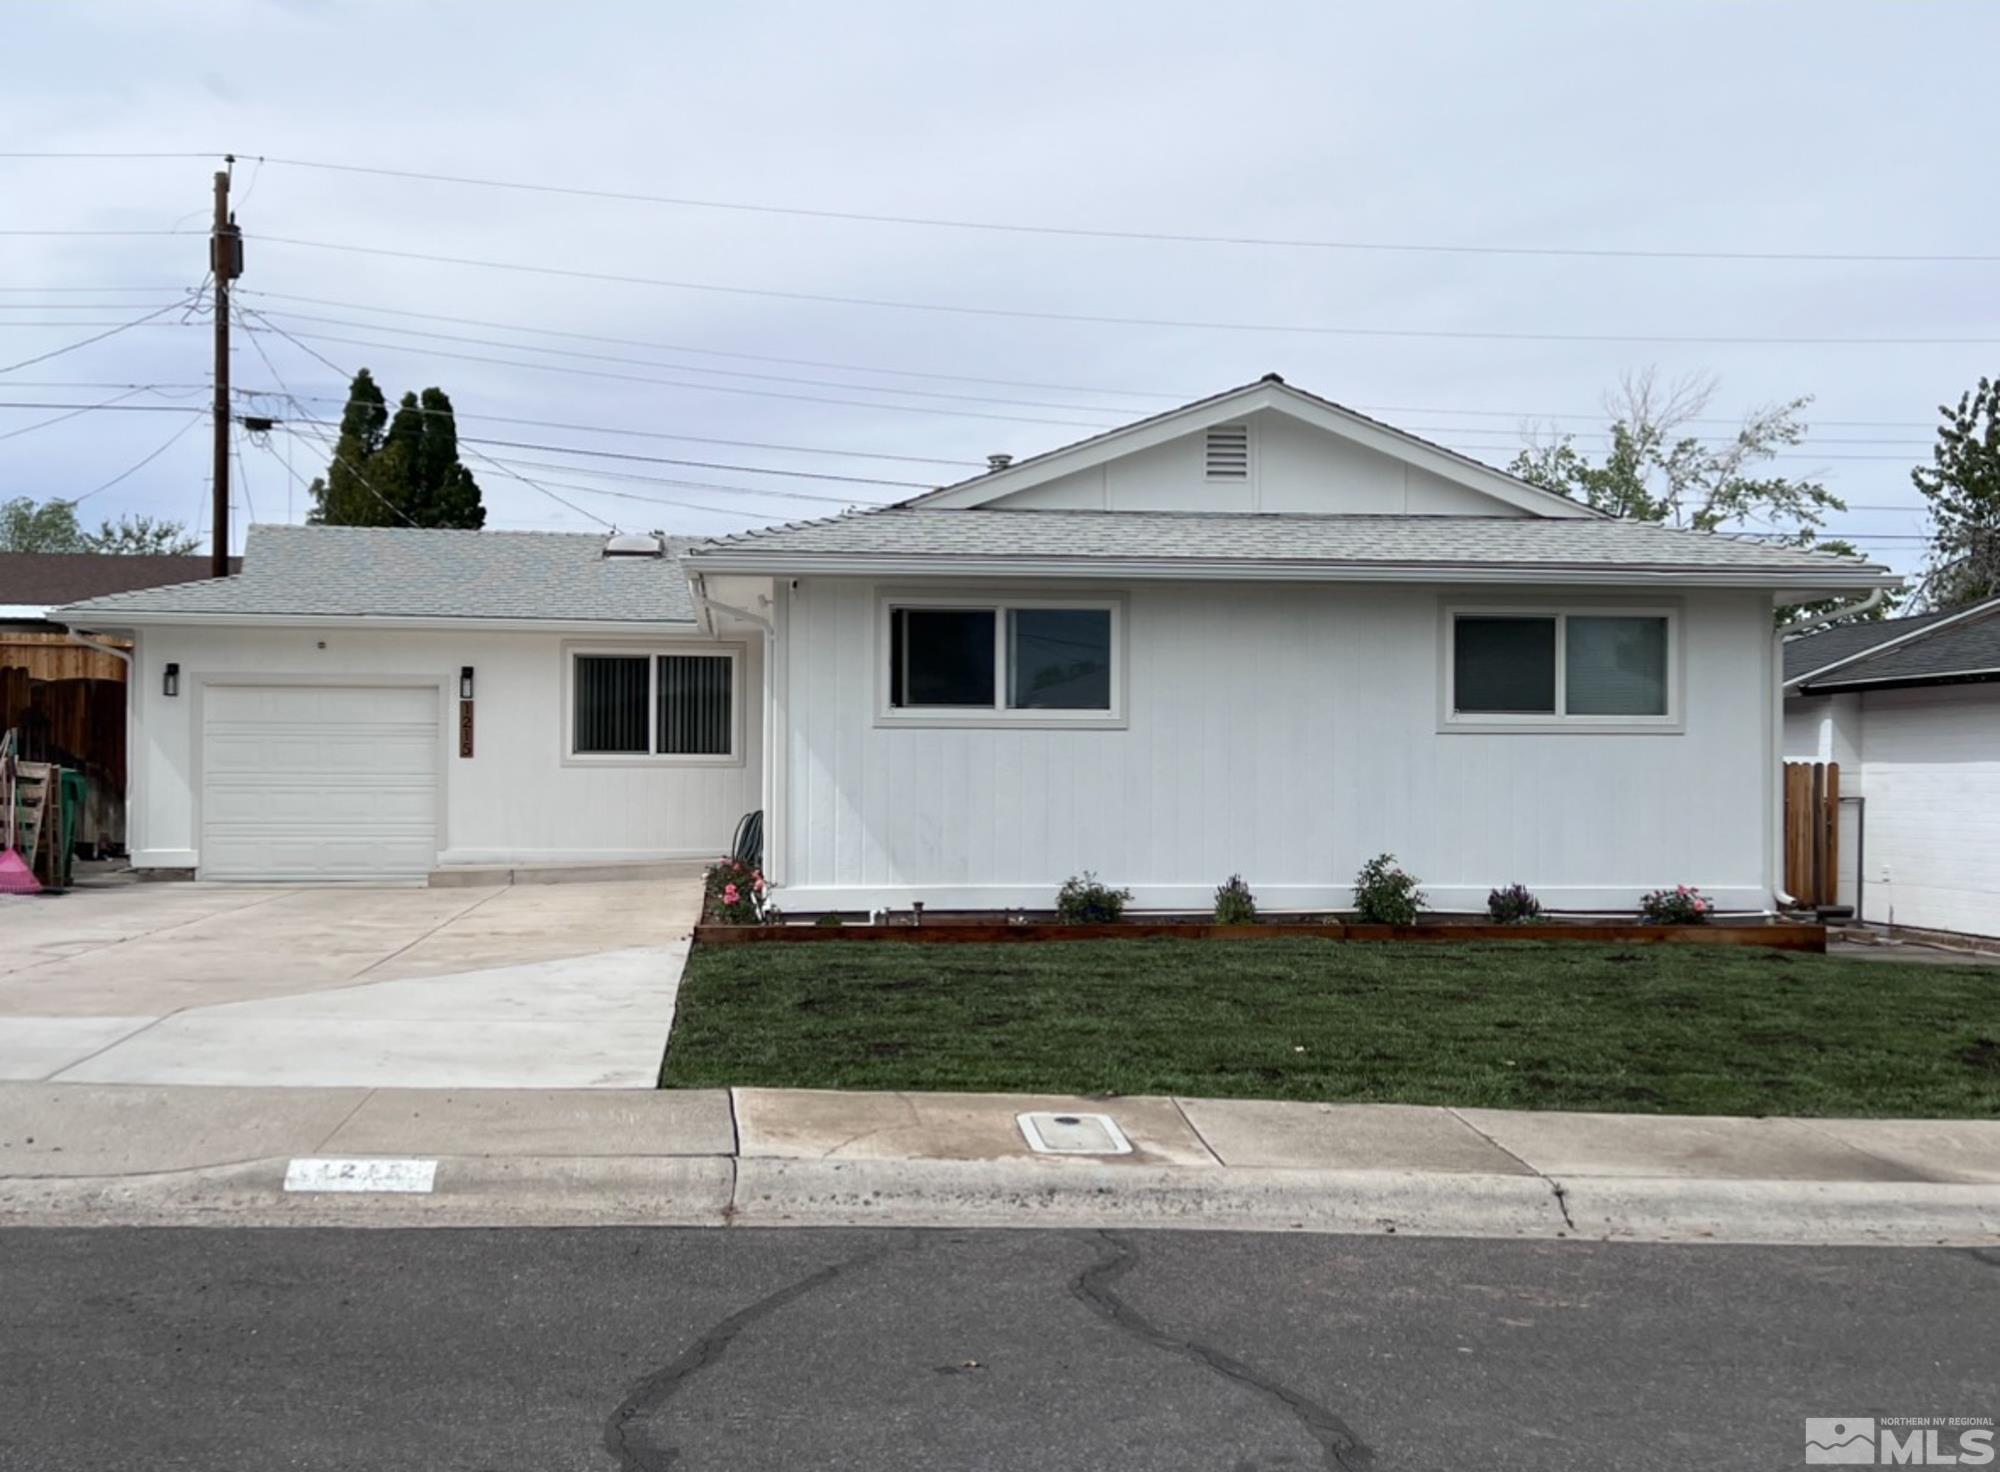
(75, 794)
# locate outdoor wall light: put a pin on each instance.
(465, 682)
(170, 682)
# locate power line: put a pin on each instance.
(667, 347)
(171, 440)
(1097, 319)
(74, 410)
(101, 154)
(85, 233)
(531, 347)
(713, 388)
(650, 434)
(107, 405)
(1175, 237)
(99, 337)
(697, 485)
(321, 357)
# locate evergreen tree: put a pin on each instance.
(400, 471)
(1962, 483)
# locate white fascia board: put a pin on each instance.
(1991, 605)
(1815, 582)
(1842, 686)
(1117, 443)
(138, 619)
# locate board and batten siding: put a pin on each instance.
(516, 800)
(1286, 732)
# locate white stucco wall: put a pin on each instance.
(1286, 732)
(516, 800)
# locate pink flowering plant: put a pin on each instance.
(735, 892)
(1681, 905)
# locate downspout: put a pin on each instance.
(1776, 756)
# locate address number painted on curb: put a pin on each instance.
(361, 1175)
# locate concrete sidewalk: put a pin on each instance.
(90, 1154)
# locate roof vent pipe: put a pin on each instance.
(998, 462)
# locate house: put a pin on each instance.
(1910, 709)
(64, 700)
(1259, 633)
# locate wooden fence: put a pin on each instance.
(1812, 832)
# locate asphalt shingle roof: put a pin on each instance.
(1817, 651)
(1441, 541)
(1969, 646)
(396, 572)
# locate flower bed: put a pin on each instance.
(972, 930)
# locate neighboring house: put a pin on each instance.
(31, 583)
(1910, 708)
(1258, 634)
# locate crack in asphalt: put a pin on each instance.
(628, 1434)
(1342, 1448)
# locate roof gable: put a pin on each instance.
(1322, 458)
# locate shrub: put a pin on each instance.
(735, 892)
(1083, 901)
(831, 917)
(1234, 904)
(1681, 905)
(1386, 894)
(1514, 905)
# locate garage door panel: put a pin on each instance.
(319, 782)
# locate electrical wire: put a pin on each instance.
(1098, 319)
(75, 410)
(99, 337)
(171, 440)
(713, 388)
(1011, 227)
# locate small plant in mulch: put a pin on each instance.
(831, 917)
(1385, 893)
(1084, 901)
(735, 892)
(1681, 905)
(1234, 904)
(1514, 905)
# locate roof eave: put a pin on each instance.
(153, 618)
(1812, 581)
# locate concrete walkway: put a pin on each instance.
(79, 1153)
(497, 986)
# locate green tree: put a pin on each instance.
(1658, 469)
(403, 471)
(48, 527)
(1962, 484)
(144, 536)
(51, 526)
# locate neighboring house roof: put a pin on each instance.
(1164, 543)
(1939, 648)
(399, 574)
(1268, 393)
(31, 583)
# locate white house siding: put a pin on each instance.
(1930, 771)
(1284, 731)
(1293, 467)
(515, 801)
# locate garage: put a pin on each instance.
(319, 782)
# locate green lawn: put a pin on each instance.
(1656, 1029)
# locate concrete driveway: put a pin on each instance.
(517, 986)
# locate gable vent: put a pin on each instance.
(1228, 452)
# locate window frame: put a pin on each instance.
(650, 651)
(1559, 721)
(999, 715)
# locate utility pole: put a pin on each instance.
(225, 263)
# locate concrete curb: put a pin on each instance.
(721, 1190)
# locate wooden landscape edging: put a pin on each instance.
(1781, 937)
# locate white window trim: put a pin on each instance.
(1489, 723)
(999, 715)
(571, 757)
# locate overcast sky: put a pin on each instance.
(1821, 127)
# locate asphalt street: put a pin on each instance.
(528, 1350)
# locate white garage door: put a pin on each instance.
(319, 782)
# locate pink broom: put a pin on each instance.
(15, 875)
